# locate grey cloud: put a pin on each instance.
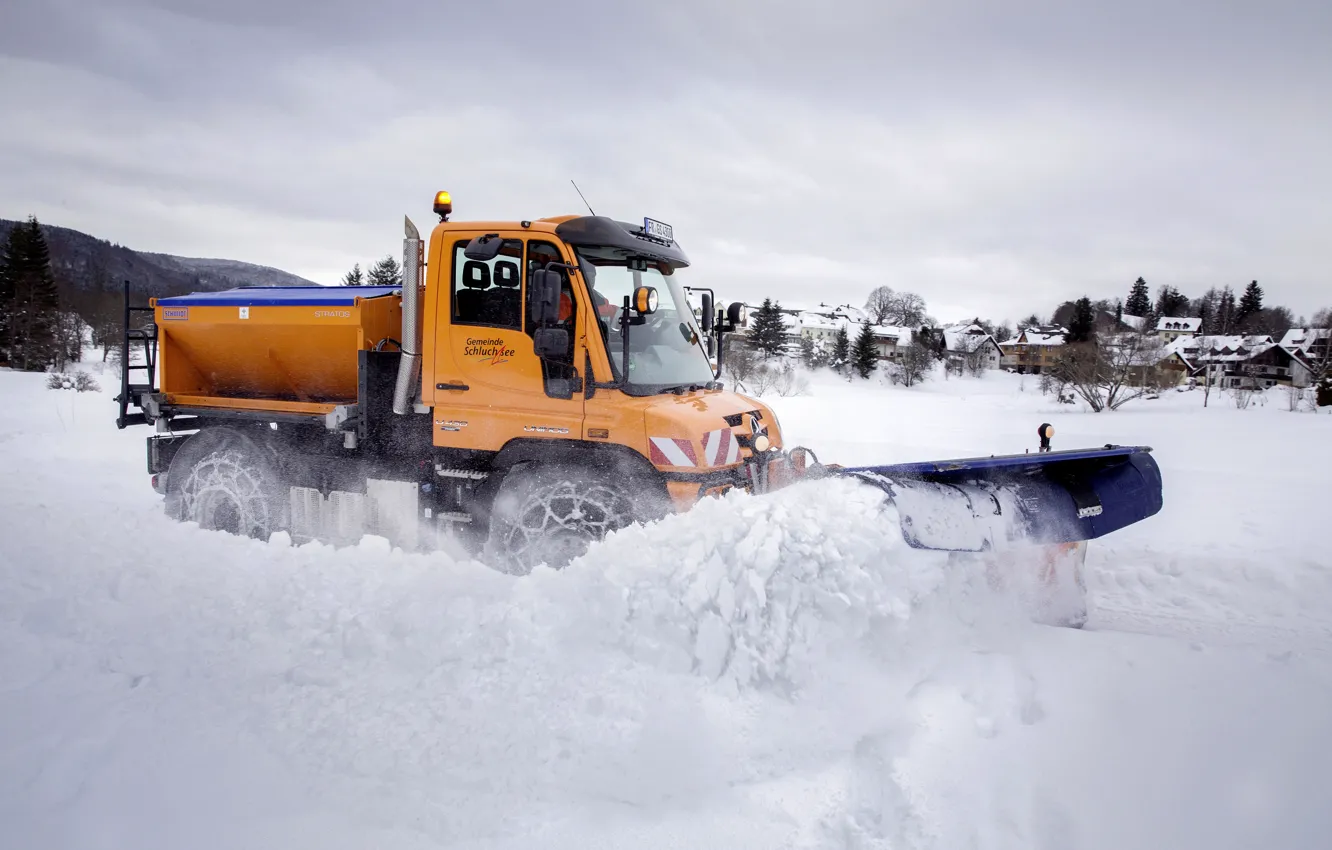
(994, 157)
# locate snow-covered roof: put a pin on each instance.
(1176, 323)
(1304, 338)
(968, 337)
(1041, 336)
(819, 321)
(1230, 348)
(1179, 324)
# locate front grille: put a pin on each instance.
(735, 419)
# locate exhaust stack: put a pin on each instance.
(413, 254)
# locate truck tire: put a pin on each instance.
(226, 481)
(552, 514)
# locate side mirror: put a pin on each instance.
(551, 343)
(544, 296)
(735, 316)
(484, 248)
(708, 316)
(645, 300)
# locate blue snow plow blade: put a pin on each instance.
(977, 504)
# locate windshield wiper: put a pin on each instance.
(681, 389)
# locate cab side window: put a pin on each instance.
(538, 255)
(488, 293)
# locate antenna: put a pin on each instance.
(580, 194)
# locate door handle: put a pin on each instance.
(459, 387)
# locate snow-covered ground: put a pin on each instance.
(759, 673)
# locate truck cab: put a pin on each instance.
(600, 372)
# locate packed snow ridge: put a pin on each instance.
(755, 591)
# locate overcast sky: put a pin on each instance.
(996, 157)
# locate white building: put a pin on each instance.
(962, 342)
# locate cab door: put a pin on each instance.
(489, 385)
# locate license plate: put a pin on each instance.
(658, 230)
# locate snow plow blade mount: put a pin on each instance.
(980, 504)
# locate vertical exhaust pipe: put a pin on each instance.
(409, 367)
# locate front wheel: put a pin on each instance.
(552, 515)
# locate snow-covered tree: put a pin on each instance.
(808, 353)
(767, 329)
(841, 353)
(354, 277)
(386, 272)
(865, 356)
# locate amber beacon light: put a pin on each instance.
(443, 205)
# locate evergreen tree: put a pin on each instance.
(1080, 327)
(354, 277)
(1171, 302)
(807, 352)
(1119, 311)
(1251, 302)
(1140, 300)
(29, 303)
(1225, 312)
(767, 330)
(841, 348)
(386, 272)
(865, 356)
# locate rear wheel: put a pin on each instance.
(225, 481)
(552, 515)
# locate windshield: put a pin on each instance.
(664, 351)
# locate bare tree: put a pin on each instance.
(1112, 372)
(68, 329)
(1055, 382)
(914, 365)
(740, 362)
(1318, 353)
(906, 310)
(879, 304)
(1207, 383)
(1294, 396)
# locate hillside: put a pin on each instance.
(85, 265)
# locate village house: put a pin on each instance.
(1033, 349)
(1254, 361)
(1168, 328)
(1311, 342)
(966, 342)
(1171, 328)
(822, 330)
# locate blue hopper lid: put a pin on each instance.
(280, 296)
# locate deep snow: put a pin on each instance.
(762, 672)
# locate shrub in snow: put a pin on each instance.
(79, 381)
(783, 380)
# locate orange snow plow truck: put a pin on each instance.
(530, 387)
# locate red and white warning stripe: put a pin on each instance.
(720, 448)
(668, 451)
